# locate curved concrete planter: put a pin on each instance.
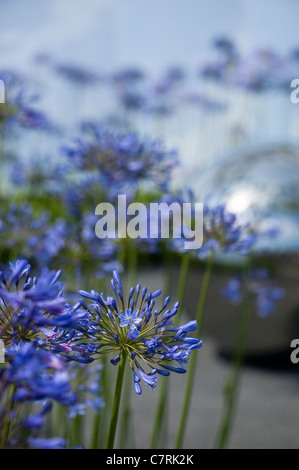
(265, 335)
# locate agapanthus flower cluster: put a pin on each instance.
(80, 248)
(30, 305)
(221, 229)
(37, 175)
(160, 96)
(33, 312)
(258, 287)
(223, 232)
(44, 240)
(77, 74)
(134, 326)
(258, 70)
(31, 380)
(19, 109)
(88, 392)
(120, 162)
(33, 235)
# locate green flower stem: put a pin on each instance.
(193, 359)
(184, 269)
(232, 386)
(1, 156)
(132, 264)
(161, 414)
(7, 420)
(98, 438)
(127, 422)
(127, 410)
(161, 411)
(116, 401)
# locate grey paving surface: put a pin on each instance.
(268, 407)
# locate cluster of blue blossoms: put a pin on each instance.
(120, 161)
(44, 335)
(258, 287)
(133, 325)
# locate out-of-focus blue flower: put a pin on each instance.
(88, 390)
(222, 232)
(132, 324)
(44, 241)
(127, 77)
(133, 100)
(121, 162)
(220, 228)
(30, 376)
(77, 74)
(19, 110)
(257, 286)
(34, 236)
(51, 443)
(256, 71)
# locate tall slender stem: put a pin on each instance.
(184, 269)
(116, 401)
(7, 419)
(232, 385)
(161, 411)
(127, 421)
(193, 360)
(1, 157)
(161, 414)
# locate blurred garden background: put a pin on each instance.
(165, 101)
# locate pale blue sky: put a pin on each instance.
(153, 33)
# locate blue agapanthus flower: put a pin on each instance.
(33, 235)
(220, 228)
(34, 309)
(19, 110)
(223, 232)
(133, 324)
(89, 391)
(258, 287)
(30, 376)
(120, 161)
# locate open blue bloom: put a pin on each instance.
(35, 309)
(130, 318)
(144, 333)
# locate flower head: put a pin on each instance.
(31, 376)
(120, 161)
(34, 309)
(134, 326)
(222, 231)
(262, 290)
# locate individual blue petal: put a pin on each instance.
(178, 370)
